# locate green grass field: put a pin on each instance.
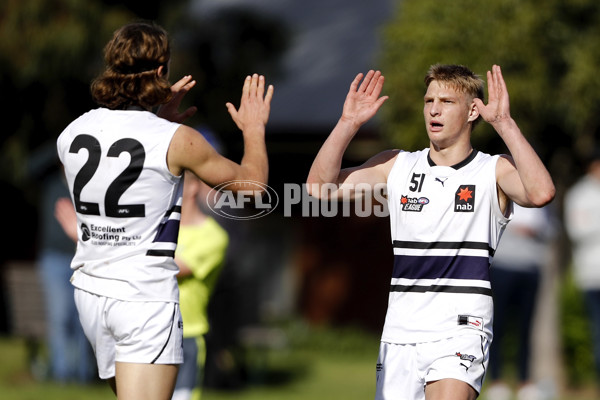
(316, 364)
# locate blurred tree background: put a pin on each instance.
(545, 49)
(51, 49)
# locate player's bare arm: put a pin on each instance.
(522, 177)
(362, 103)
(190, 150)
(64, 212)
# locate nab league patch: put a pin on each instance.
(464, 200)
(413, 203)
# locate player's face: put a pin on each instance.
(447, 114)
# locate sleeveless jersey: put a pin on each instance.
(446, 223)
(127, 201)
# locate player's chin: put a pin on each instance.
(435, 136)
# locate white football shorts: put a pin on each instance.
(403, 370)
(130, 331)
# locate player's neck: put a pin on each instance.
(449, 156)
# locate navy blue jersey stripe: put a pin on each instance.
(434, 267)
(441, 289)
(168, 231)
(403, 244)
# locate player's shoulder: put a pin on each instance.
(504, 164)
(386, 156)
(383, 161)
(73, 128)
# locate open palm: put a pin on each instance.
(498, 107)
(363, 102)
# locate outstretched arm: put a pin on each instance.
(189, 150)
(523, 177)
(362, 103)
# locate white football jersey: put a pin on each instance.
(446, 223)
(127, 201)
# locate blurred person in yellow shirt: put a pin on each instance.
(201, 248)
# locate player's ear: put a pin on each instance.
(473, 112)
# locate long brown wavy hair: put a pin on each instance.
(132, 59)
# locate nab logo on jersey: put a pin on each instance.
(464, 200)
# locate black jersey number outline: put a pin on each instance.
(121, 183)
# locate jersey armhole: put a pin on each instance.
(166, 160)
(507, 215)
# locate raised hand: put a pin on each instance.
(255, 105)
(498, 108)
(363, 102)
(170, 110)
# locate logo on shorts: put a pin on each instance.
(465, 199)
(466, 357)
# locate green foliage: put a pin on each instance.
(575, 335)
(545, 49)
(49, 51)
(343, 341)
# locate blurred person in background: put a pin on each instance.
(582, 222)
(124, 167)
(516, 273)
(200, 254)
(70, 354)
